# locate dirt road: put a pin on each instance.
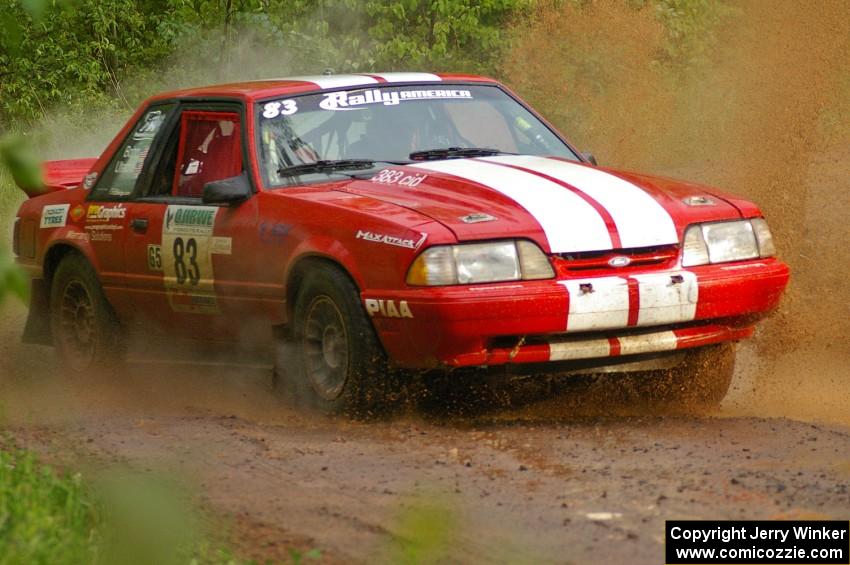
(550, 482)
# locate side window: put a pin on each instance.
(209, 149)
(119, 179)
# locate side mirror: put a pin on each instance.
(227, 191)
(590, 157)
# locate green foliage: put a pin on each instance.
(93, 54)
(149, 520)
(691, 27)
(12, 279)
(298, 557)
(447, 35)
(73, 56)
(18, 161)
(18, 156)
(58, 518)
(44, 517)
(425, 532)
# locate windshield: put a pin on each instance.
(387, 124)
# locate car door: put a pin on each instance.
(183, 264)
(106, 210)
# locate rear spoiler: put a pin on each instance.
(61, 175)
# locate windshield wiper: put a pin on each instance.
(326, 166)
(455, 153)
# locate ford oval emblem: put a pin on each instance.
(619, 261)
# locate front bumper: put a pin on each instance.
(577, 318)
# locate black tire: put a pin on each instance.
(700, 382)
(85, 329)
(330, 359)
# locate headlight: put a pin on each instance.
(764, 237)
(472, 263)
(722, 242)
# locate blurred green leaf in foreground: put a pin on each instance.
(17, 156)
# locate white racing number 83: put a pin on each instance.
(281, 108)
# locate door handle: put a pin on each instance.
(139, 225)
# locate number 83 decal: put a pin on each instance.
(186, 261)
(185, 256)
(187, 265)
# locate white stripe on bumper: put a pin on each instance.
(574, 349)
(606, 306)
(648, 343)
(583, 349)
(570, 223)
(663, 302)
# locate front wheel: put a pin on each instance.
(86, 332)
(330, 359)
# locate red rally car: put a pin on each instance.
(369, 223)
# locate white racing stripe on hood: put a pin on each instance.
(570, 223)
(336, 81)
(641, 221)
(408, 77)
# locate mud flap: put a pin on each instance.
(37, 329)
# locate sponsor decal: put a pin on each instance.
(190, 220)
(221, 245)
(346, 101)
(101, 213)
(54, 215)
(272, 233)
(155, 258)
(100, 236)
(186, 257)
(477, 218)
(391, 240)
(77, 212)
(148, 129)
(392, 176)
(78, 235)
(102, 232)
(89, 180)
(388, 308)
(198, 303)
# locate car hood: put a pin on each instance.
(564, 206)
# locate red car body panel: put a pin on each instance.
(261, 241)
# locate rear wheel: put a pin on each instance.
(701, 381)
(85, 330)
(330, 359)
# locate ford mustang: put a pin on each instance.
(370, 225)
